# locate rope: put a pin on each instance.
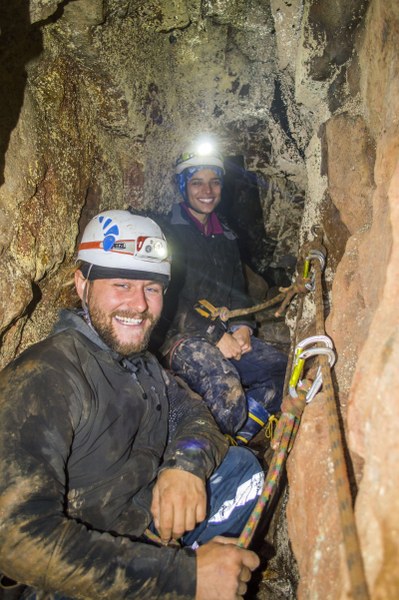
(351, 542)
(287, 425)
(206, 309)
(282, 443)
(153, 537)
(285, 436)
(293, 345)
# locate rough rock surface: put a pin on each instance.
(97, 97)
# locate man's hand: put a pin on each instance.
(243, 337)
(229, 346)
(223, 569)
(178, 503)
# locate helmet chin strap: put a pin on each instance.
(85, 306)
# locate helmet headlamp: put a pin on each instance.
(205, 149)
(203, 154)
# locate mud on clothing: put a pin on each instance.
(209, 267)
(83, 435)
(227, 386)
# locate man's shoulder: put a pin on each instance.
(43, 358)
(69, 333)
(52, 346)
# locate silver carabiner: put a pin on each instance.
(301, 354)
(318, 381)
(315, 339)
(322, 259)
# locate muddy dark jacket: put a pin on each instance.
(203, 267)
(83, 434)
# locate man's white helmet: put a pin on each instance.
(118, 244)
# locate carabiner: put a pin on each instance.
(321, 258)
(318, 381)
(315, 339)
(315, 351)
(300, 356)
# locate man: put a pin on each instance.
(103, 455)
(239, 376)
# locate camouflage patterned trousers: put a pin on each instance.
(226, 385)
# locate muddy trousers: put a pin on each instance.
(233, 388)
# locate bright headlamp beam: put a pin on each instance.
(160, 250)
(205, 148)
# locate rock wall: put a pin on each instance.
(97, 98)
(357, 189)
(101, 97)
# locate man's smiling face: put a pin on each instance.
(123, 311)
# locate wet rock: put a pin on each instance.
(351, 157)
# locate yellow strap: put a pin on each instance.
(256, 419)
(242, 439)
(207, 305)
(232, 441)
(206, 309)
(203, 313)
(271, 426)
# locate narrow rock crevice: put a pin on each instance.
(98, 98)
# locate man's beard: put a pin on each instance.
(102, 323)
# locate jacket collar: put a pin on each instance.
(74, 319)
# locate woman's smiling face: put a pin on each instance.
(204, 191)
